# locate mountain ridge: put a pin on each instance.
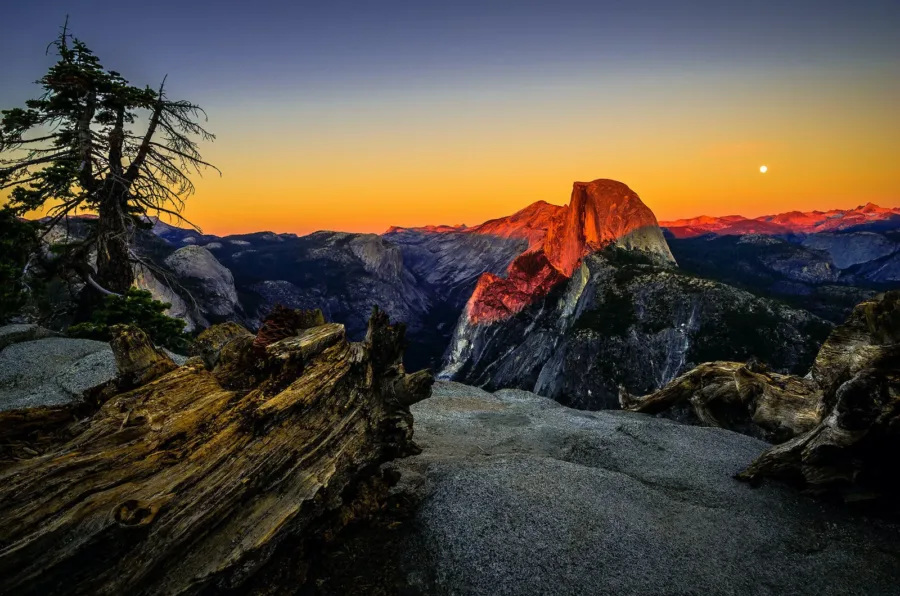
(600, 213)
(789, 222)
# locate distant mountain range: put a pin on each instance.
(569, 301)
(865, 217)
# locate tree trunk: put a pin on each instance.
(208, 481)
(114, 230)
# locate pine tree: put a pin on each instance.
(76, 148)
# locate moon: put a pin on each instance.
(763, 169)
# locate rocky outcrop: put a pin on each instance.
(601, 213)
(167, 264)
(222, 478)
(17, 333)
(164, 292)
(379, 257)
(515, 494)
(628, 318)
(530, 277)
(202, 273)
(51, 371)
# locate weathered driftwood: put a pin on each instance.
(746, 398)
(137, 359)
(853, 452)
(286, 322)
(841, 422)
(207, 481)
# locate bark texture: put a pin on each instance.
(207, 480)
(114, 231)
(852, 453)
(745, 398)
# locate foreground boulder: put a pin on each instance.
(841, 422)
(37, 369)
(17, 333)
(204, 481)
(518, 495)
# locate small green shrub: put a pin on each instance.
(138, 308)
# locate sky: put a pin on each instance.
(359, 115)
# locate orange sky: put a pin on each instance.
(688, 147)
(688, 142)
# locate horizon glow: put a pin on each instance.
(357, 118)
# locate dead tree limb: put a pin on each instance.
(188, 485)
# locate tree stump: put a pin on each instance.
(193, 484)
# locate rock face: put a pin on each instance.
(179, 309)
(627, 318)
(52, 371)
(851, 249)
(601, 213)
(199, 288)
(519, 495)
(527, 329)
(201, 272)
(221, 477)
(344, 275)
(802, 274)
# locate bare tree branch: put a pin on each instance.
(151, 130)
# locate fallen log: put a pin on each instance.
(838, 428)
(207, 480)
(746, 398)
(852, 453)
